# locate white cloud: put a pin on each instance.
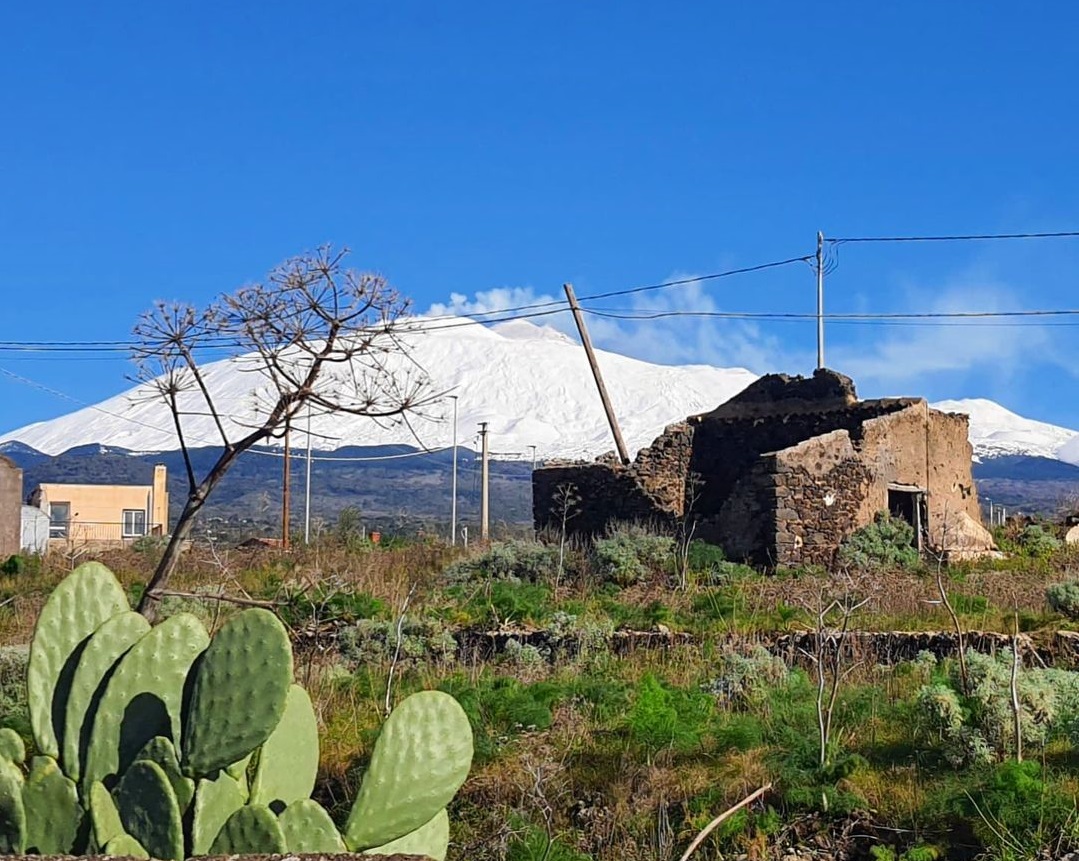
(909, 353)
(671, 340)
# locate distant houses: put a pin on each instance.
(59, 515)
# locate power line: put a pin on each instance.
(778, 315)
(421, 324)
(1059, 234)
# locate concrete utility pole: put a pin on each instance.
(307, 487)
(484, 508)
(285, 500)
(453, 485)
(533, 457)
(820, 299)
(594, 365)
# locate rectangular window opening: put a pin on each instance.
(134, 523)
(59, 519)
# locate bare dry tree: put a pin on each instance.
(316, 337)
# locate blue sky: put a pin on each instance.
(493, 151)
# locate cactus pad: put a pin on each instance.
(76, 608)
(215, 801)
(125, 846)
(421, 758)
(251, 830)
(432, 840)
(149, 812)
(12, 811)
(308, 829)
(239, 691)
(104, 817)
(11, 746)
(104, 648)
(288, 761)
(160, 750)
(143, 697)
(53, 814)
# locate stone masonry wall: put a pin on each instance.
(780, 474)
(10, 508)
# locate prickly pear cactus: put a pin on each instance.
(53, 814)
(239, 691)
(125, 846)
(251, 830)
(105, 646)
(420, 760)
(77, 606)
(308, 829)
(215, 801)
(149, 812)
(143, 697)
(12, 811)
(117, 699)
(11, 746)
(288, 761)
(104, 817)
(160, 750)
(432, 840)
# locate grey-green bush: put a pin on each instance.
(629, 554)
(887, 542)
(1063, 598)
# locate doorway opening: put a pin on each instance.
(907, 502)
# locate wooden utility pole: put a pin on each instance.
(594, 365)
(285, 501)
(820, 299)
(485, 512)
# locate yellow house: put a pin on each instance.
(111, 513)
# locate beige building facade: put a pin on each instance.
(105, 513)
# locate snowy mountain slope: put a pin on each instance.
(996, 432)
(531, 384)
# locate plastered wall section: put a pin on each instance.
(10, 508)
(828, 486)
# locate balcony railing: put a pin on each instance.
(93, 531)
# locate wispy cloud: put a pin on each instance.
(912, 352)
(672, 340)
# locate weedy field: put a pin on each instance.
(624, 692)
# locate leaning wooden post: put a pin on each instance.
(594, 365)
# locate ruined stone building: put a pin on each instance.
(782, 473)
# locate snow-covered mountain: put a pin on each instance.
(997, 432)
(530, 383)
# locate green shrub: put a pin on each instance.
(21, 566)
(887, 542)
(14, 709)
(663, 716)
(324, 603)
(1035, 541)
(513, 561)
(1063, 598)
(704, 558)
(499, 707)
(630, 555)
(1014, 809)
(531, 843)
(375, 640)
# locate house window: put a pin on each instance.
(134, 522)
(59, 519)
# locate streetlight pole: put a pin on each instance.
(307, 487)
(453, 486)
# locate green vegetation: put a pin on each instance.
(614, 707)
(888, 542)
(164, 742)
